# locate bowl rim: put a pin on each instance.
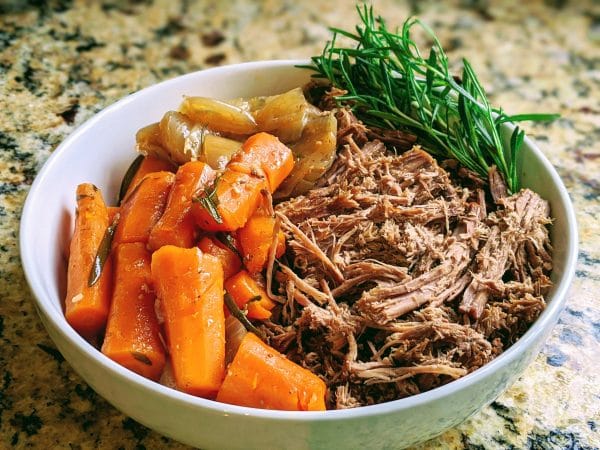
(543, 323)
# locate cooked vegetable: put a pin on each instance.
(143, 207)
(217, 150)
(86, 307)
(103, 252)
(261, 154)
(189, 284)
(260, 377)
(181, 137)
(228, 203)
(255, 239)
(314, 153)
(218, 116)
(148, 141)
(283, 115)
(230, 261)
(148, 164)
(236, 312)
(234, 333)
(249, 295)
(132, 332)
(391, 85)
(128, 177)
(112, 213)
(176, 226)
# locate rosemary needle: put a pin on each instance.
(390, 84)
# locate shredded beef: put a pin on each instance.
(399, 277)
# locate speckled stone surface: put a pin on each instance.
(63, 62)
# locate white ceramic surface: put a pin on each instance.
(100, 151)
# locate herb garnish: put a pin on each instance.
(239, 315)
(128, 177)
(228, 241)
(390, 84)
(142, 358)
(209, 201)
(103, 251)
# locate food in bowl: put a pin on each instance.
(100, 152)
(402, 273)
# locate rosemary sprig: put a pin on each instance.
(228, 241)
(209, 201)
(102, 252)
(128, 177)
(390, 84)
(239, 315)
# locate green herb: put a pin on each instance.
(391, 84)
(209, 201)
(103, 251)
(141, 358)
(228, 241)
(239, 315)
(128, 177)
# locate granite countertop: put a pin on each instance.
(63, 62)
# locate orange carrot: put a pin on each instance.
(248, 294)
(143, 207)
(112, 212)
(229, 202)
(229, 260)
(255, 240)
(176, 226)
(148, 165)
(86, 307)
(264, 153)
(189, 285)
(261, 377)
(132, 332)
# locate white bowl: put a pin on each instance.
(100, 151)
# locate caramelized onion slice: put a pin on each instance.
(218, 116)
(314, 154)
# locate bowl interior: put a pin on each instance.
(101, 150)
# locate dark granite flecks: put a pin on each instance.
(62, 61)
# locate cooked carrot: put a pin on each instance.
(86, 307)
(229, 260)
(229, 202)
(255, 240)
(264, 153)
(249, 295)
(132, 332)
(189, 284)
(261, 377)
(177, 226)
(112, 212)
(148, 165)
(143, 207)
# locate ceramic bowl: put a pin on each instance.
(100, 151)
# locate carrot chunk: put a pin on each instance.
(86, 307)
(249, 295)
(148, 165)
(255, 239)
(189, 285)
(143, 208)
(230, 261)
(264, 153)
(177, 226)
(229, 202)
(112, 212)
(132, 332)
(261, 377)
